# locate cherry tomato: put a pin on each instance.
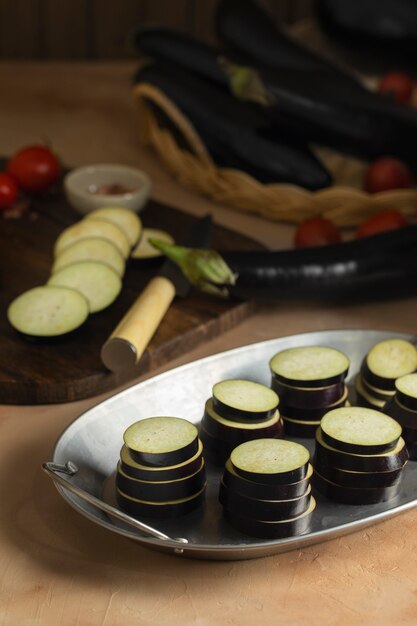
(34, 169)
(387, 173)
(316, 231)
(384, 220)
(8, 191)
(398, 85)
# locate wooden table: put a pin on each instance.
(57, 567)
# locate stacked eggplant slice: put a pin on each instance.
(359, 457)
(403, 408)
(238, 411)
(161, 472)
(310, 382)
(265, 490)
(385, 362)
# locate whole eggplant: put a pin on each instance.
(234, 128)
(381, 266)
(168, 46)
(382, 32)
(362, 124)
(246, 28)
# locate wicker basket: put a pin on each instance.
(344, 205)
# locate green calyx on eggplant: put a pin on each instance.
(380, 266)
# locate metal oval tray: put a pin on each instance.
(94, 439)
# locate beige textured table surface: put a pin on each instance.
(57, 567)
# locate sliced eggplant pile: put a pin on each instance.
(98, 282)
(92, 249)
(265, 490)
(403, 408)
(128, 221)
(310, 382)
(385, 362)
(87, 228)
(161, 472)
(87, 271)
(145, 252)
(359, 456)
(238, 411)
(48, 311)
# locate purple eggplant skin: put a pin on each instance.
(167, 46)
(244, 27)
(234, 127)
(377, 267)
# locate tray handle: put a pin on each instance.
(55, 469)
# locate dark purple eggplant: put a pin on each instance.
(377, 32)
(245, 27)
(167, 46)
(381, 266)
(234, 128)
(329, 112)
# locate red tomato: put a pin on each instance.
(398, 85)
(387, 173)
(316, 231)
(384, 220)
(34, 168)
(8, 191)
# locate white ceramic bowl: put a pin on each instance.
(82, 187)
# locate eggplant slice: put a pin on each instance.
(162, 441)
(127, 220)
(93, 228)
(92, 249)
(310, 366)
(98, 282)
(244, 400)
(48, 311)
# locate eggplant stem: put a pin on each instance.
(204, 269)
(245, 83)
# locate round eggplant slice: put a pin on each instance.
(160, 474)
(125, 219)
(389, 461)
(161, 441)
(144, 251)
(271, 461)
(160, 510)
(97, 282)
(310, 366)
(404, 416)
(297, 428)
(379, 394)
(306, 398)
(351, 495)
(365, 398)
(220, 427)
(309, 414)
(48, 311)
(244, 400)
(272, 530)
(161, 491)
(93, 249)
(216, 451)
(406, 388)
(250, 489)
(93, 228)
(268, 510)
(360, 431)
(359, 480)
(387, 361)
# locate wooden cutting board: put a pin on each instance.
(70, 369)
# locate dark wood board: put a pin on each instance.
(70, 369)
